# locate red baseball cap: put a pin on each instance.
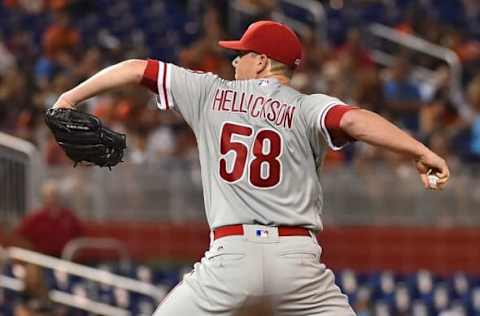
(273, 39)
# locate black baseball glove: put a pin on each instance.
(83, 138)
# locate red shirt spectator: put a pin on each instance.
(353, 49)
(48, 229)
(60, 37)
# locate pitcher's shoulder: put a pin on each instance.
(319, 99)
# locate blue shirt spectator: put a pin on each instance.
(475, 137)
(402, 96)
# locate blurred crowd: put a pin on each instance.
(48, 46)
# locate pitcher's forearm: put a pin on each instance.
(129, 71)
(373, 129)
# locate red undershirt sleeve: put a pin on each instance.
(332, 123)
(150, 76)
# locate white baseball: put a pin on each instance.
(432, 181)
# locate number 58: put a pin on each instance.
(269, 159)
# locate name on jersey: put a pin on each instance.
(268, 109)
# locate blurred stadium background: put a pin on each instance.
(87, 241)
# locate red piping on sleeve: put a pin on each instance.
(150, 76)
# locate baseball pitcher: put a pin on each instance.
(261, 145)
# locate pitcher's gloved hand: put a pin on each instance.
(83, 138)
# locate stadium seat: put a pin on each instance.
(419, 308)
(474, 301)
(403, 299)
(142, 305)
(383, 285)
(441, 298)
(382, 308)
(348, 282)
(460, 285)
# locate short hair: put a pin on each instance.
(278, 67)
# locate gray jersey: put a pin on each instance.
(261, 145)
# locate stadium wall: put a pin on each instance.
(364, 249)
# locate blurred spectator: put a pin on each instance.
(205, 54)
(248, 11)
(353, 50)
(186, 143)
(34, 300)
(48, 229)
(472, 14)
(308, 78)
(59, 42)
(7, 59)
(60, 37)
(30, 6)
(410, 20)
(161, 142)
(57, 4)
(89, 64)
(466, 49)
(22, 45)
(362, 303)
(54, 154)
(474, 131)
(368, 93)
(345, 70)
(438, 114)
(53, 57)
(137, 149)
(12, 99)
(402, 95)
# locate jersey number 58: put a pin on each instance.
(264, 165)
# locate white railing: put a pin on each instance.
(314, 8)
(86, 304)
(317, 12)
(77, 244)
(67, 299)
(421, 45)
(11, 283)
(86, 272)
(19, 173)
(385, 59)
(76, 300)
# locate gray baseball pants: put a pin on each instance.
(285, 270)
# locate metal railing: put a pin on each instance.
(104, 277)
(316, 11)
(419, 72)
(311, 7)
(421, 45)
(19, 168)
(67, 299)
(75, 300)
(86, 304)
(72, 248)
(376, 193)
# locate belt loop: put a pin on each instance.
(212, 238)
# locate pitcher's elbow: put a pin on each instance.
(136, 67)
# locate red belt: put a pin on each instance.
(237, 230)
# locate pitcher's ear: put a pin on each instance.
(261, 63)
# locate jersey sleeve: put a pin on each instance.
(178, 88)
(323, 115)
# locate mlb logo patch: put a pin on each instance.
(264, 83)
(262, 233)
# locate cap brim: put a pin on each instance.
(235, 45)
